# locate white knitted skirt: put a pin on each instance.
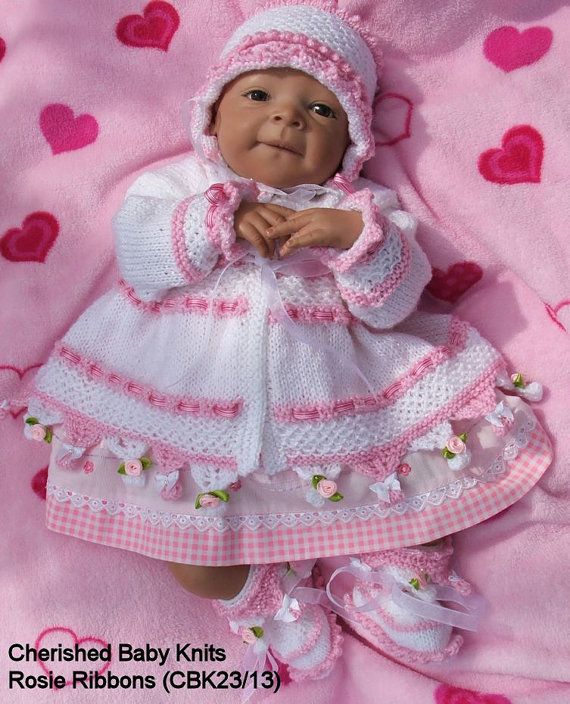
(285, 517)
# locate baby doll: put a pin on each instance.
(259, 391)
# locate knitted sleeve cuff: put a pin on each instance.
(225, 199)
(368, 241)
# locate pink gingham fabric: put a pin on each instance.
(297, 542)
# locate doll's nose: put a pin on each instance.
(290, 115)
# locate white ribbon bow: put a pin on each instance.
(382, 489)
(166, 481)
(501, 414)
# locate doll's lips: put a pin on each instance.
(283, 146)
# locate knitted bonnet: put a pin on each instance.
(328, 45)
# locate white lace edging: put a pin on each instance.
(516, 441)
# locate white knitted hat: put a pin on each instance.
(327, 45)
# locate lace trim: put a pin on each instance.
(515, 442)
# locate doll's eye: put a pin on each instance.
(323, 110)
(256, 94)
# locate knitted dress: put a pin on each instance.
(218, 408)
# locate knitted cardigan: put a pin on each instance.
(194, 369)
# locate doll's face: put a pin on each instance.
(280, 127)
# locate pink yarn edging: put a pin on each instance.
(387, 286)
(222, 307)
(97, 430)
(210, 408)
(191, 273)
(457, 338)
(318, 314)
(380, 461)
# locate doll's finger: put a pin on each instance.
(271, 217)
(258, 220)
(289, 226)
(281, 209)
(251, 234)
(306, 237)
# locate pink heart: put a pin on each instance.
(9, 389)
(447, 694)
(39, 481)
(554, 313)
(31, 242)
(63, 131)
(518, 161)
(450, 285)
(2, 48)
(51, 637)
(510, 49)
(392, 118)
(154, 30)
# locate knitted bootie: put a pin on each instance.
(393, 626)
(304, 636)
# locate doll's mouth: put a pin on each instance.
(283, 146)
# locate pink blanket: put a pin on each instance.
(472, 132)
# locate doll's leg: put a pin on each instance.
(393, 627)
(210, 582)
(304, 636)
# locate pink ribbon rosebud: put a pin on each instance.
(456, 445)
(208, 501)
(133, 468)
(38, 432)
(327, 488)
(404, 469)
(250, 635)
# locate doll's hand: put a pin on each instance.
(318, 227)
(252, 220)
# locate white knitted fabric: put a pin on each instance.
(239, 359)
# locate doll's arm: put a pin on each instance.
(173, 226)
(383, 274)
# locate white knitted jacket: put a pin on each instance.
(147, 367)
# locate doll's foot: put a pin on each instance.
(304, 636)
(402, 628)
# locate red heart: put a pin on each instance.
(6, 392)
(39, 481)
(2, 48)
(553, 312)
(155, 29)
(519, 160)
(392, 120)
(52, 637)
(447, 694)
(65, 132)
(33, 241)
(450, 285)
(509, 49)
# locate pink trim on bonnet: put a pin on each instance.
(223, 307)
(97, 431)
(457, 338)
(191, 273)
(275, 48)
(382, 460)
(210, 408)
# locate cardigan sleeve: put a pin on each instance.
(383, 274)
(173, 226)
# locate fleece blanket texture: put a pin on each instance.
(472, 132)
